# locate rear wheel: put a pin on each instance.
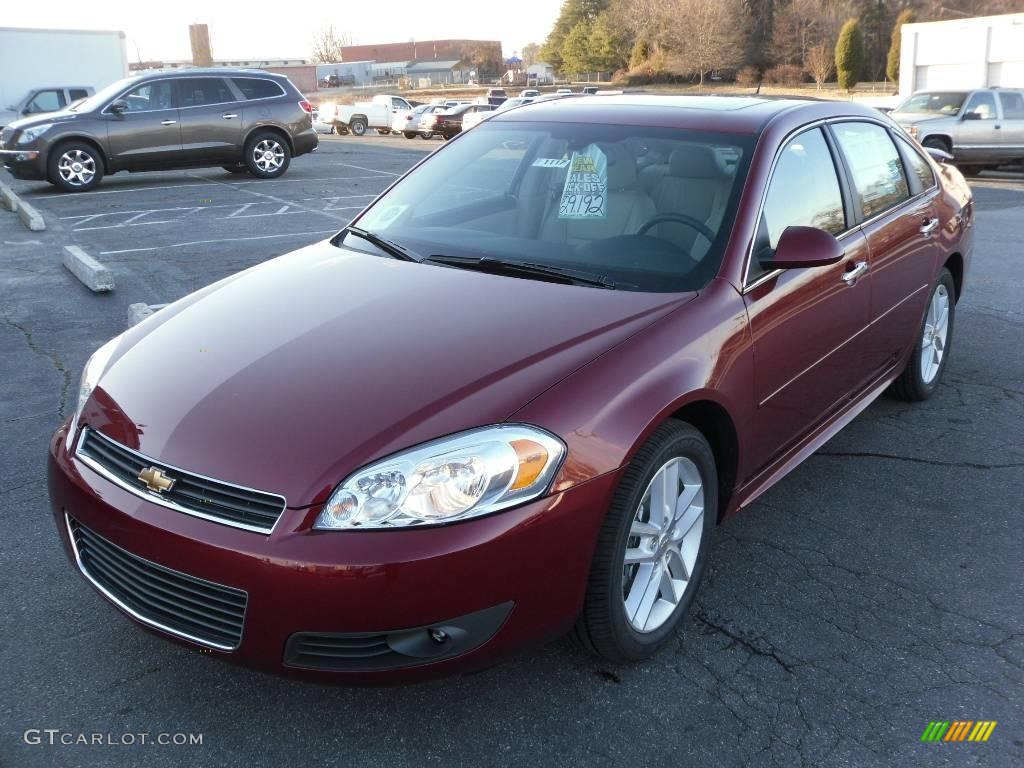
(921, 377)
(409, 134)
(267, 155)
(75, 167)
(427, 134)
(357, 126)
(970, 170)
(652, 548)
(384, 131)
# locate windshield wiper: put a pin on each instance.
(392, 249)
(525, 269)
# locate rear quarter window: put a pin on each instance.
(875, 165)
(257, 87)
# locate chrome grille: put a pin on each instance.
(191, 493)
(183, 605)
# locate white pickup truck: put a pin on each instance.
(377, 113)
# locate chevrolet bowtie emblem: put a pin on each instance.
(156, 480)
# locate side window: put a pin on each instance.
(45, 101)
(78, 93)
(257, 88)
(1013, 104)
(200, 91)
(918, 166)
(982, 104)
(150, 96)
(875, 164)
(804, 191)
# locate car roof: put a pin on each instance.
(732, 114)
(209, 71)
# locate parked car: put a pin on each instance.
(39, 101)
(563, 91)
(319, 125)
(407, 122)
(495, 96)
(589, 90)
(605, 367)
(428, 119)
(378, 113)
(982, 129)
(529, 93)
(475, 118)
(243, 120)
(449, 122)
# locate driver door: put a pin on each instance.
(807, 325)
(148, 133)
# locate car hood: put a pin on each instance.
(44, 117)
(916, 118)
(291, 375)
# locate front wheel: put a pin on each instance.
(921, 377)
(75, 167)
(357, 126)
(427, 134)
(267, 155)
(652, 548)
(384, 131)
(409, 134)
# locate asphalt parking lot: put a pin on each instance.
(877, 588)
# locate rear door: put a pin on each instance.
(1011, 132)
(211, 120)
(806, 325)
(147, 134)
(894, 199)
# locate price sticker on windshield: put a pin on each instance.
(585, 194)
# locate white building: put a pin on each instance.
(961, 54)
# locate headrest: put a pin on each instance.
(694, 161)
(621, 166)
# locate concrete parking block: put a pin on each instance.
(8, 199)
(30, 217)
(93, 275)
(139, 312)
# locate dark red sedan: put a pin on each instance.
(513, 398)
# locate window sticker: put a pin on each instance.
(585, 194)
(551, 162)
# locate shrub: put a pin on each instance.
(892, 66)
(849, 54)
(748, 76)
(785, 74)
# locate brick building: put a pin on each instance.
(426, 50)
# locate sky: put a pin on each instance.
(268, 30)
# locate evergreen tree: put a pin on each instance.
(849, 54)
(640, 54)
(892, 67)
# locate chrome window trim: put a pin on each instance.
(156, 498)
(105, 109)
(145, 619)
(747, 287)
(258, 98)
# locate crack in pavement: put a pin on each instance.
(54, 359)
(913, 460)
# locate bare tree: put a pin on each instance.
(820, 63)
(705, 35)
(328, 43)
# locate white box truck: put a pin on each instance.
(44, 69)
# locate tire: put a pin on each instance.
(74, 166)
(357, 126)
(343, 130)
(409, 134)
(605, 627)
(934, 142)
(914, 384)
(427, 135)
(267, 155)
(384, 131)
(240, 168)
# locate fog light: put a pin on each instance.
(438, 636)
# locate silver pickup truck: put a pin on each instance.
(982, 129)
(41, 100)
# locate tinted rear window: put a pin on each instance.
(199, 91)
(257, 88)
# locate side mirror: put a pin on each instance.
(972, 115)
(119, 107)
(804, 247)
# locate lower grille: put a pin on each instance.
(183, 605)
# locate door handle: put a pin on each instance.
(859, 269)
(168, 122)
(928, 226)
(229, 117)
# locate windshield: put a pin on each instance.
(944, 103)
(644, 208)
(101, 97)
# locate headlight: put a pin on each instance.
(466, 475)
(94, 368)
(33, 133)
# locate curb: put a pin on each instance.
(139, 312)
(93, 275)
(8, 199)
(29, 216)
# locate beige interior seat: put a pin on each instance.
(627, 208)
(697, 186)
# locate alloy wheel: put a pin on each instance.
(268, 155)
(76, 168)
(664, 540)
(936, 333)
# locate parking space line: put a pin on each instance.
(371, 170)
(219, 240)
(239, 184)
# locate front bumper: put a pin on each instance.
(24, 163)
(520, 575)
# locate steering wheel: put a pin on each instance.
(680, 218)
